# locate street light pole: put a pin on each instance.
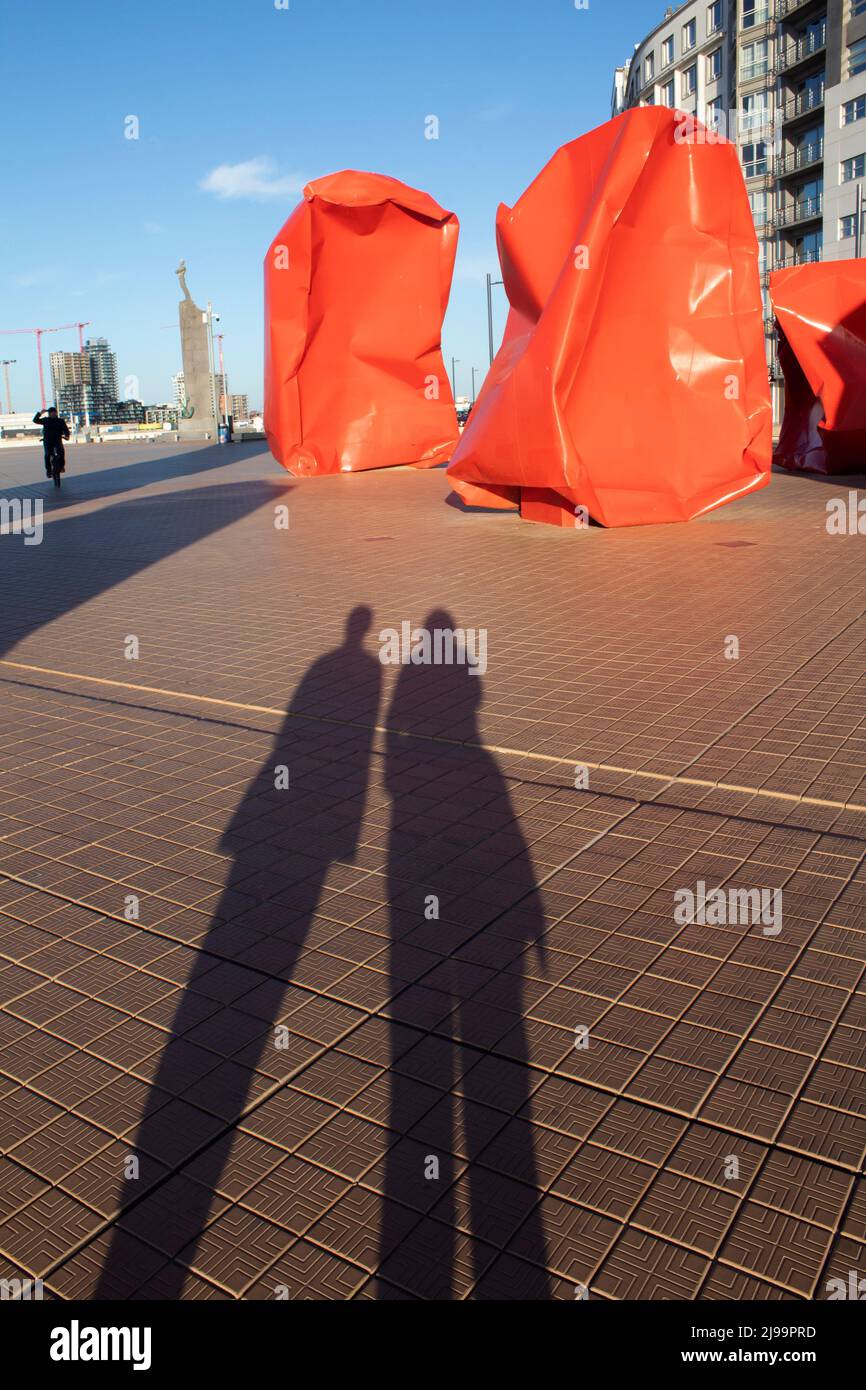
(454, 361)
(7, 363)
(212, 364)
(474, 370)
(490, 283)
(224, 382)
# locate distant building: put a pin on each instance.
(165, 414)
(239, 407)
(785, 80)
(217, 388)
(18, 425)
(85, 383)
(70, 375)
(129, 413)
(103, 378)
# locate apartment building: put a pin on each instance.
(785, 80)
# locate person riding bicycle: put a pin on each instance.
(54, 431)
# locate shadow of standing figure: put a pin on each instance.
(464, 1166)
(282, 844)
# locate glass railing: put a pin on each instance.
(756, 69)
(752, 18)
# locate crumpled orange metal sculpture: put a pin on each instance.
(821, 321)
(356, 287)
(632, 379)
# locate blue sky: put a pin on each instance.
(239, 104)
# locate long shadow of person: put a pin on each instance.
(465, 910)
(282, 842)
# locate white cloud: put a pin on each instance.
(28, 279)
(253, 178)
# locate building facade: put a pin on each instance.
(70, 377)
(103, 379)
(786, 81)
(85, 383)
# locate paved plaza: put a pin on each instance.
(325, 978)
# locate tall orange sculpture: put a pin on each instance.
(632, 378)
(821, 320)
(356, 287)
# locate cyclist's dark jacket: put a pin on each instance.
(54, 429)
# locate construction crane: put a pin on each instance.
(39, 331)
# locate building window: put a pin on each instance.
(755, 113)
(857, 7)
(714, 65)
(857, 57)
(713, 118)
(690, 35)
(853, 168)
(854, 110)
(690, 80)
(714, 17)
(755, 60)
(754, 159)
(758, 204)
(650, 67)
(755, 12)
(808, 248)
(668, 51)
(847, 226)
(667, 94)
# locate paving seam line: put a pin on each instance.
(669, 779)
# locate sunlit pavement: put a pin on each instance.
(328, 978)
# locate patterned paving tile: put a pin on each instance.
(425, 1023)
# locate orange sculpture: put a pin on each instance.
(356, 287)
(821, 321)
(632, 379)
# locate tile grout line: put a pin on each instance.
(668, 779)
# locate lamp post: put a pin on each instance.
(454, 361)
(474, 370)
(7, 363)
(209, 318)
(224, 382)
(490, 283)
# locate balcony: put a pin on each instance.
(803, 103)
(784, 8)
(755, 18)
(809, 46)
(804, 158)
(805, 210)
(799, 258)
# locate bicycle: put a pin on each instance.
(56, 463)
